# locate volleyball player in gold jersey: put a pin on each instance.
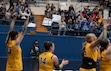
(48, 61)
(90, 51)
(105, 52)
(105, 61)
(14, 52)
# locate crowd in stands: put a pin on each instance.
(18, 11)
(88, 20)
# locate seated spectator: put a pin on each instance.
(15, 16)
(62, 26)
(25, 4)
(77, 25)
(35, 50)
(93, 26)
(1, 10)
(70, 25)
(3, 5)
(8, 14)
(23, 14)
(29, 13)
(85, 25)
(17, 9)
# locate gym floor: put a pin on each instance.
(32, 65)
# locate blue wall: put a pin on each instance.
(65, 46)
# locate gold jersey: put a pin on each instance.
(92, 54)
(105, 63)
(45, 62)
(14, 57)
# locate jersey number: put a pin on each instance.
(9, 49)
(84, 52)
(43, 60)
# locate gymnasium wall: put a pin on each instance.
(67, 47)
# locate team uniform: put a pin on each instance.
(46, 62)
(14, 60)
(89, 58)
(105, 63)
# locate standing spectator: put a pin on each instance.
(35, 50)
(71, 8)
(47, 11)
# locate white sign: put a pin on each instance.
(105, 14)
(47, 22)
(56, 18)
(31, 25)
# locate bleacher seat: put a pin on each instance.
(1, 16)
(54, 28)
(19, 22)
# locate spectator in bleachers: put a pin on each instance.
(93, 26)
(101, 2)
(52, 10)
(30, 14)
(94, 16)
(25, 4)
(52, 7)
(48, 6)
(100, 19)
(96, 10)
(17, 9)
(23, 14)
(48, 11)
(80, 18)
(70, 25)
(16, 16)
(101, 9)
(8, 14)
(1, 10)
(11, 4)
(87, 10)
(59, 11)
(77, 25)
(62, 26)
(3, 3)
(71, 8)
(85, 25)
(90, 19)
(72, 15)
